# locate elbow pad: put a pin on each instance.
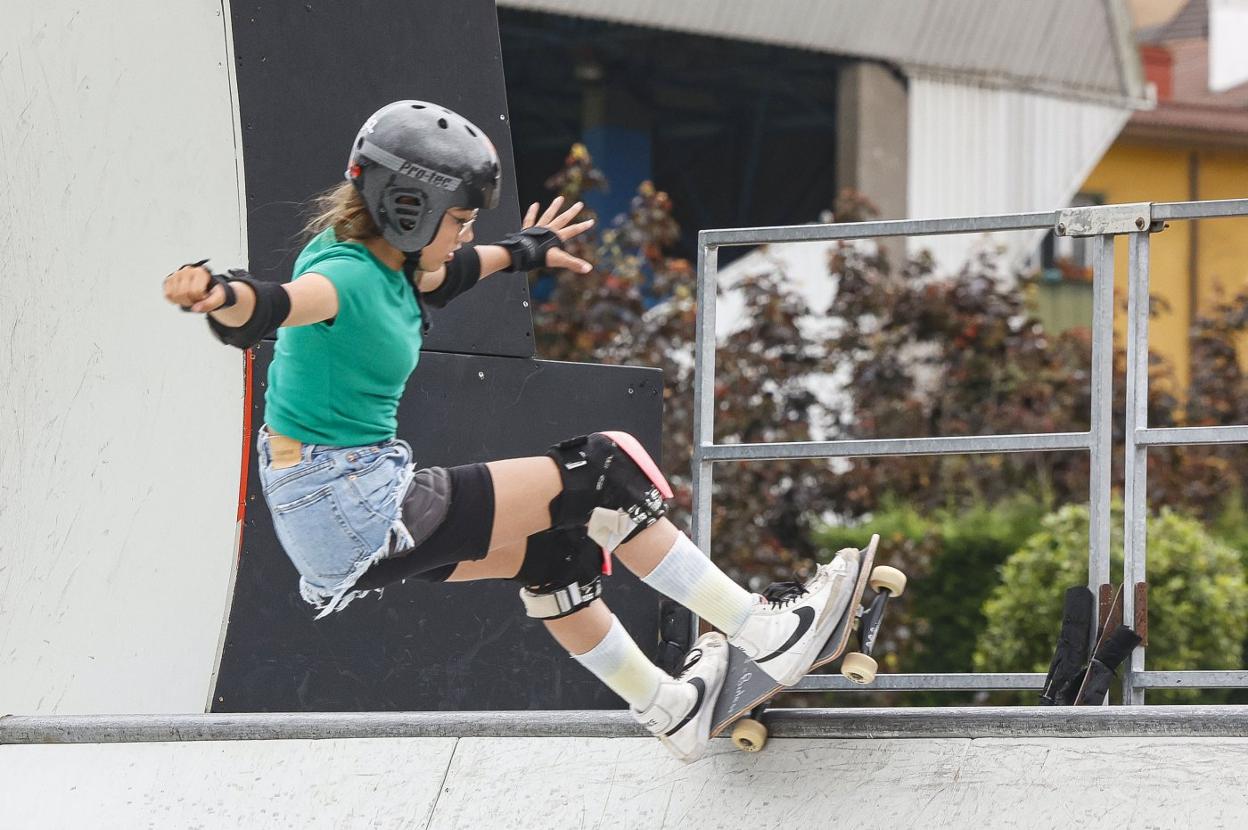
(462, 273)
(272, 309)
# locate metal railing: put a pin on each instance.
(909, 723)
(1103, 224)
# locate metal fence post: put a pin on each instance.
(704, 403)
(1102, 410)
(704, 384)
(1135, 521)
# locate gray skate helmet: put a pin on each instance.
(435, 157)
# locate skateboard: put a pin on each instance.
(747, 688)
(1071, 654)
(1113, 645)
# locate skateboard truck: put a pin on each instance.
(859, 666)
(749, 733)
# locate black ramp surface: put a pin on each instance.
(421, 646)
(309, 74)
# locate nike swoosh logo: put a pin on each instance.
(806, 618)
(699, 684)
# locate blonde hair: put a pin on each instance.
(342, 208)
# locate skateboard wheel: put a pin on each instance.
(858, 667)
(748, 735)
(889, 579)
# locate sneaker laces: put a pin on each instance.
(691, 659)
(781, 594)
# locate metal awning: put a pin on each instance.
(1076, 48)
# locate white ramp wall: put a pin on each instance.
(120, 418)
(630, 783)
(1027, 766)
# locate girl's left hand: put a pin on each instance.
(558, 222)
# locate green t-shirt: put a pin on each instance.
(339, 382)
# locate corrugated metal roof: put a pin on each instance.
(1078, 47)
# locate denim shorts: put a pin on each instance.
(336, 512)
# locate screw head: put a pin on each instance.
(1061, 227)
(1139, 222)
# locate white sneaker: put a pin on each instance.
(680, 714)
(784, 636)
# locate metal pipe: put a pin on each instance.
(871, 230)
(1222, 679)
(960, 682)
(1212, 209)
(704, 386)
(1135, 519)
(1102, 409)
(702, 474)
(945, 722)
(1188, 436)
(1041, 442)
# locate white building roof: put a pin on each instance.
(1076, 48)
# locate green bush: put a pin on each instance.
(1198, 598)
(1230, 525)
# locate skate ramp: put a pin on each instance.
(1154, 766)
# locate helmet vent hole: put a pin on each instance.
(359, 144)
(418, 106)
(470, 131)
(442, 123)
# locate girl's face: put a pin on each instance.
(454, 230)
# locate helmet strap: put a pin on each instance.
(411, 265)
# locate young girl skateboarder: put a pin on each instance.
(352, 512)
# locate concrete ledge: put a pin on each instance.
(961, 722)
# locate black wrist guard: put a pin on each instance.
(230, 297)
(272, 309)
(528, 247)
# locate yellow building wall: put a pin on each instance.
(1132, 172)
(1223, 243)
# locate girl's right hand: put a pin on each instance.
(188, 287)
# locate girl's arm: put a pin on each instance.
(313, 298)
(495, 258)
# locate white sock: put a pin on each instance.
(688, 576)
(618, 662)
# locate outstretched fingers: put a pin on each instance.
(574, 230)
(561, 224)
(530, 216)
(556, 258)
(561, 221)
(551, 212)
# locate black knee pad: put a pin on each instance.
(556, 557)
(561, 573)
(607, 470)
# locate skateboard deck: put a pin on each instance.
(1112, 621)
(1071, 654)
(747, 686)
